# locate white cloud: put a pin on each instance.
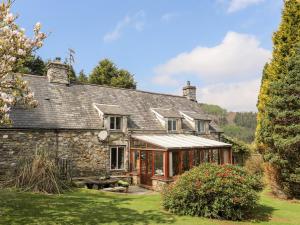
(236, 5)
(167, 17)
(238, 57)
(241, 96)
(136, 21)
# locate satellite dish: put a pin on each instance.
(103, 135)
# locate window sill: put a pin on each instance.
(173, 131)
(121, 131)
(202, 133)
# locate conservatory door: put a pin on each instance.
(146, 167)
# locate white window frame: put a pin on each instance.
(115, 122)
(172, 124)
(199, 127)
(117, 158)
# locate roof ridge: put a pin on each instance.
(106, 86)
(32, 75)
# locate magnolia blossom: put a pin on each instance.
(15, 46)
(37, 26)
(21, 52)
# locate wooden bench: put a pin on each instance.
(95, 183)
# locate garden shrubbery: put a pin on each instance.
(255, 164)
(38, 173)
(213, 191)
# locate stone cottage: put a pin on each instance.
(150, 137)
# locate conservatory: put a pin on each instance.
(158, 159)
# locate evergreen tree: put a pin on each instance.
(124, 80)
(72, 74)
(103, 72)
(107, 73)
(285, 40)
(31, 65)
(82, 78)
(284, 114)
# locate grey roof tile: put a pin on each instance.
(71, 107)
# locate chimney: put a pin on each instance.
(57, 72)
(189, 92)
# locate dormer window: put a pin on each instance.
(170, 119)
(198, 121)
(115, 123)
(112, 117)
(172, 124)
(201, 126)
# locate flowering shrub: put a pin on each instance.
(14, 48)
(213, 191)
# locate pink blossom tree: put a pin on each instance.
(15, 46)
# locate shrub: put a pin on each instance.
(255, 164)
(213, 191)
(38, 173)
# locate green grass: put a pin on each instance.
(95, 207)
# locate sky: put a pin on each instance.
(220, 46)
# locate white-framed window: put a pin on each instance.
(172, 124)
(201, 126)
(115, 123)
(117, 154)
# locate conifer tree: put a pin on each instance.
(103, 72)
(284, 114)
(32, 65)
(107, 73)
(275, 75)
(82, 78)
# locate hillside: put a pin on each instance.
(240, 125)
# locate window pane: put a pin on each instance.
(175, 163)
(197, 157)
(174, 125)
(169, 124)
(118, 123)
(113, 158)
(215, 156)
(135, 163)
(150, 159)
(206, 155)
(159, 163)
(201, 126)
(186, 161)
(120, 158)
(112, 123)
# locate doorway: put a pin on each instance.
(146, 167)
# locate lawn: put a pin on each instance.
(95, 207)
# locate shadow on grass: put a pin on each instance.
(262, 213)
(75, 208)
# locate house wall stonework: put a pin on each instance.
(89, 157)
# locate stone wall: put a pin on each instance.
(89, 157)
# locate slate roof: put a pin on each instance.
(111, 109)
(71, 107)
(168, 113)
(196, 116)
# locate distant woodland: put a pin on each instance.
(239, 125)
